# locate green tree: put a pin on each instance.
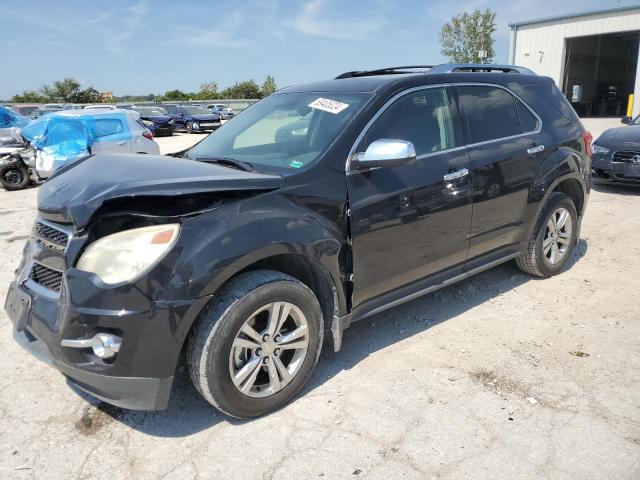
(268, 86)
(29, 96)
(208, 90)
(175, 95)
(62, 90)
(466, 35)
(88, 95)
(246, 89)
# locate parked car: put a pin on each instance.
(156, 119)
(42, 111)
(63, 137)
(193, 118)
(226, 113)
(100, 106)
(53, 106)
(244, 252)
(24, 110)
(616, 154)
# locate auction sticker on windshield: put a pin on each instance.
(327, 105)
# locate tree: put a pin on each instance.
(208, 90)
(268, 86)
(246, 89)
(88, 95)
(466, 35)
(29, 96)
(175, 95)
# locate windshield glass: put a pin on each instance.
(196, 110)
(150, 111)
(285, 131)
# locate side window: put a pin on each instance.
(528, 121)
(107, 126)
(491, 112)
(421, 117)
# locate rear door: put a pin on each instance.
(505, 147)
(409, 222)
(112, 135)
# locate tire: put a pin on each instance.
(189, 127)
(212, 355)
(14, 176)
(538, 260)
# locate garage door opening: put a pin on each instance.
(600, 72)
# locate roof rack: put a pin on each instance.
(385, 71)
(480, 67)
(443, 68)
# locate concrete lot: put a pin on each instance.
(480, 380)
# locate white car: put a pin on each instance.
(90, 131)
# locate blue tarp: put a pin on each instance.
(9, 118)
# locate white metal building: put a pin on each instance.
(592, 56)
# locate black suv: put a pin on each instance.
(247, 250)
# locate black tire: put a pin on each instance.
(533, 260)
(211, 338)
(189, 127)
(14, 176)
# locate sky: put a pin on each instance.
(141, 46)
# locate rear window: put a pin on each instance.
(528, 121)
(107, 126)
(491, 112)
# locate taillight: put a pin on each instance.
(588, 138)
(149, 135)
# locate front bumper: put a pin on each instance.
(207, 127)
(604, 169)
(152, 332)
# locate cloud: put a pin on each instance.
(322, 19)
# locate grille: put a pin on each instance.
(47, 277)
(626, 156)
(52, 235)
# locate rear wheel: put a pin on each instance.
(257, 344)
(553, 238)
(14, 176)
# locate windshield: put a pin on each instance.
(149, 111)
(285, 131)
(196, 110)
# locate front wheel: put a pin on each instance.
(257, 343)
(14, 176)
(553, 238)
(189, 127)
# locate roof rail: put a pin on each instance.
(443, 68)
(480, 67)
(385, 71)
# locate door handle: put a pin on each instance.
(121, 143)
(463, 172)
(536, 149)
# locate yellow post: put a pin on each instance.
(630, 105)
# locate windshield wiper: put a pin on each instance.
(228, 162)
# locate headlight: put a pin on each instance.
(147, 122)
(123, 256)
(599, 149)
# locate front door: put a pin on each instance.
(409, 222)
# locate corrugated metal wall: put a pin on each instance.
(540, 46)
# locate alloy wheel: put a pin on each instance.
(557, 236)
(269, 349)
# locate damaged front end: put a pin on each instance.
(104, 290)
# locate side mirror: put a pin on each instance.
(385, 153)
(626, 120)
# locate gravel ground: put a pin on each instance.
(500, 376)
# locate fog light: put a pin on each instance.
(104, 345)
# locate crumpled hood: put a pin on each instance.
(77, 190)
(157, 118)
(620, 138)
(205, 117)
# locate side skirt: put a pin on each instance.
(340, 324)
